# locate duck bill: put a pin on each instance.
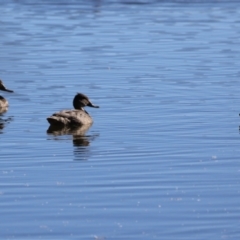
(7, 90)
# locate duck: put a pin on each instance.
(3, 101)
(74, 117)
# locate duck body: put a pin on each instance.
(3, 102)
(74, 117)
(70, 118)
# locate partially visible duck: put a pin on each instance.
(74, 117)
(3, 101)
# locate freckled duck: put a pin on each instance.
(74, 117)
(3, 101)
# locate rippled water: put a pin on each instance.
(161, 160)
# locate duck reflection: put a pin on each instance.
(81, 146)
(81, 141)
(97, 5)
(4, 121)
(67, 130)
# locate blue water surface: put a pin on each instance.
(161, 160)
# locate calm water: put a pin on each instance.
(161, 160)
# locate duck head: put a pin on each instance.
(80, 101)
(3, 88)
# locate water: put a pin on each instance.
(161, 160)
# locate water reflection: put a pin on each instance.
(66, 130)
(81, 145)
(4, 121)
(97, 5)
(239, 126)
(81, 142)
